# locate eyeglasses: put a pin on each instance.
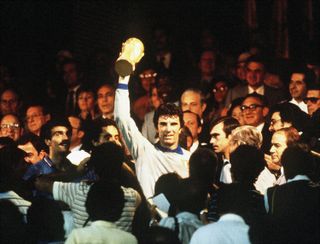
(219, 89)
(14, 126)
(145, 76)
(251, 107)
(311, 99)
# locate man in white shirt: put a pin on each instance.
(273, 173)
(298, 87)
(220, 139)
(152, 161)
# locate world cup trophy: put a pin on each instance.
(131, 53)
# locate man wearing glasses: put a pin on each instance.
(255, 110)
(313, 99)
(11, 127)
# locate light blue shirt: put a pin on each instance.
(229, 229)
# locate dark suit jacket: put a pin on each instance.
(273, 95)
(294, 209)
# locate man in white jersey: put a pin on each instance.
(152, 161)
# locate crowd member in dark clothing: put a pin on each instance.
(294, 207)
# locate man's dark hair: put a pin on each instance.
(229, 124)
(296, 160)
(313, 86)
(168, 109)
(45, 132)
(192, 196)
(106, 160)
(45, 220)
(12, 167)
(168, 185)
(261, 98)
(12, 227)
(160, 235)
(291, 113)
(256, 59)
(309, 76)
(105, 201)
(72, 61)
(197, 116)
(246, 164)
(35, 140)
(203, 165)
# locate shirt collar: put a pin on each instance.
(164, 149)
(299, 177)
(259, 90)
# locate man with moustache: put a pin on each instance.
(56, 135)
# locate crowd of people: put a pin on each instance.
(194, 150)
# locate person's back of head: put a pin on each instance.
(12, 228)
(45, 220)
(192, 196)
(160, 235)
(106, 160)
(296, 160)
(12, 167)
(246, 164)
(105, 201)
(203, 165)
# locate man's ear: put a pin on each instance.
(47, 142)
(42, 154)
(80, 134)
(199, 130)
(47, 118)
(203, 107)
(265, 111)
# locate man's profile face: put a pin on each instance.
(219, 140)
(190, 120)
(105, 100)
(35, 119)
(278, 145)
(32, 156)
(253, 111)
(169, 129)
(192, 101)
(255, 74)
(297, 86)
(110, 134)
(60, 139)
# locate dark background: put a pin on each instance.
(32, 32)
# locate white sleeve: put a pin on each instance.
(136, 142)
(64, 192)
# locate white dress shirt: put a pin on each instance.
(302, 105)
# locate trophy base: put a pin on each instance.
(123, 68)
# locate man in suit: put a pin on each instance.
(294, 207)
(255, 84)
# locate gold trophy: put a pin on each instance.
(131, 53)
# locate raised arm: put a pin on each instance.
(135, 141)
